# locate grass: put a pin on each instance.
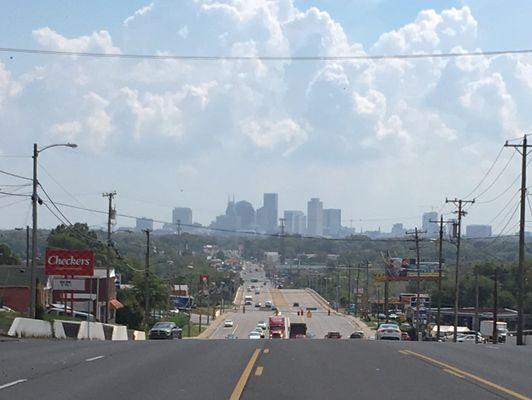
(6, 319)
(194, 330)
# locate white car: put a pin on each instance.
(228, 323)
(388, 332)
(469, 338)
(254, 335)
(262, 325)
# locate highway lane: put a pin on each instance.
(362, 369)
(185, 369)
(287, 369)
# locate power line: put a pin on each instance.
(353, 57)
(14, 194)
(497, 177)
(60, 185)
(486, 174)
(15, 175)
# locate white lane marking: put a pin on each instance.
(234, 330)
(492, 347)
(12, 383)
(94, 358)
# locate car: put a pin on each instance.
(258, 304)
(296, 304)
(254, 335)
(405, 336)
(228, 323)
(262, 324)
(60, 312)
(268, 303)
(257, 292)
(261, 331)
(165, 330)
(310, 335)
(231, 336)
(388, 332)
(470, 338)
(248, 303)
(333, 335)
(357, 335)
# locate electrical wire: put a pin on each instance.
(60, 185)
(14, 194)
(485, 175)
(497, 177)
(353, 57)
(15, 175)
(503, 208)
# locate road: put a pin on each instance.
(265, 369)
(318, 323)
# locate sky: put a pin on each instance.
(383, 140)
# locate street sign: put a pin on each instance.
(68, 284)
(69, 262)
(204, 279)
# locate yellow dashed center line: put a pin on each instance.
(258, 371)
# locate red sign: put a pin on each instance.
(204, 279)
(69, 262)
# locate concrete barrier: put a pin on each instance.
(30, 328)
(119, 332)
(59, 330)
(139, 335)
(91, 331)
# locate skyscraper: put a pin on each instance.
(430, 227)
(295, 222)
(315, 217)
(332, 222)
(182, 214)
(267, 215)
(245, 211)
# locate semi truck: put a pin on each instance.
(278, 327)
(486, 330)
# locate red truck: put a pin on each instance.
(278, 327)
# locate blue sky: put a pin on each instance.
(370, 138)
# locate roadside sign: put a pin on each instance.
(68, 284)
(69, 262)
(204, 279)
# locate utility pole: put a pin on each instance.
(416, 234)
(366, 290)
(34, 199)
(283, 257)
(476, 321)
(110, 217)
(178, 237)
(523, 150)
(147, 281)
(337, 289)
(441, 222)
(458, 234)
(494, 333)
(349, 285)
(356, 294)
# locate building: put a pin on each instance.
(230, 220)
(267, 215)
(398, 230)
(332, 222)
(295, 222)
(15, 287)
(246, 212)
(315, 217)
(430, 227)
(143, 224)
(478, 231)
(183, 215)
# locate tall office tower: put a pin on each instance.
(295, 222)
(245, 211)
(269, 213)
(430, 227)
(332, 222)
(315, 217)
(182, 214)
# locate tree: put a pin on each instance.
(7, 257)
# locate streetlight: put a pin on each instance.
(34, 199)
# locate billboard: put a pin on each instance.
(405, 269)
(68, 284)
(69, 262)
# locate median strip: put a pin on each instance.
(464, 374)
(12, 383)
(239, 388)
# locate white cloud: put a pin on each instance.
(98, 41)
(139, 13)
(285, 134)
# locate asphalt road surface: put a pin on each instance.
(265, 369)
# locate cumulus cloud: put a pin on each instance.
(97, 41)
(139, 13)
(284, 134)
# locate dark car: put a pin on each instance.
(296, 304)
(357, 335)
(333, 335)
(165, 330)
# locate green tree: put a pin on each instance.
(6, 255)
